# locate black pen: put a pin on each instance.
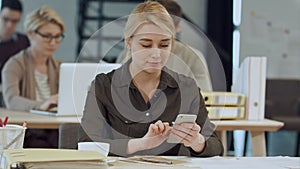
(156, 160)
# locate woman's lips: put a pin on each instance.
(153, 63)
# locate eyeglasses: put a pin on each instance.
(7, 19)
(48, 38)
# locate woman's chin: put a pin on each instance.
(153, 69)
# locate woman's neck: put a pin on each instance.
(146, 82)
(40, 62)
(38, 58)
(144, 77)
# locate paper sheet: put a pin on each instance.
(246, 163)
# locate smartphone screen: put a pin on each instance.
(181, 118)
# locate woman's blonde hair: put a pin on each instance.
(42, 16)
(149, 12)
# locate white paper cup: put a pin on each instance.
(100, 147)
(11, 137)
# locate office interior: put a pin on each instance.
(236, 29)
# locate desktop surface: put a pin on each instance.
(36, 120)
(214, 163)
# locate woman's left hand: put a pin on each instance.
(189, 134)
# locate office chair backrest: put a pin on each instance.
(282, 98)
(68, 136)
(283, 102)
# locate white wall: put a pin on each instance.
(68, 11)
(271, 28)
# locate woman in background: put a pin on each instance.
(30, 78)
(132, 107)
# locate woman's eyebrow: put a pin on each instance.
(149, 40)
(166, 40)
(145, 39)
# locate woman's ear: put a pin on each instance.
(178, 27)
(128, 43)
(30, 34)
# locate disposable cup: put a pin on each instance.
(11, 137)
(100, 147)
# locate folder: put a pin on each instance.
(223, 99)
(226, 113)
(51, 158)
(251, 81)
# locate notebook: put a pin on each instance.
(74, 82)
(51, 158)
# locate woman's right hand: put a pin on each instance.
(156, 135)
(157, 129)
(50, 103)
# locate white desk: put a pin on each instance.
(35, 120)
(217, 163)
(257, 128)
(201, 163)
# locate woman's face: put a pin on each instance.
(150, 48)
(45, 40)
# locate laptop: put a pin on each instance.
(74, 82)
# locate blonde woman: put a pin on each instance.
(132, 107)
(30, 78)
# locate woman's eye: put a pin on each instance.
(146, 46)
(164, 45)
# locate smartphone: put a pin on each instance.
(181, 118)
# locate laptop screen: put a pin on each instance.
(74, 82)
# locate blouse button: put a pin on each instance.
(147, 114)
(126, 121)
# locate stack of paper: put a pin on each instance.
(51, 158)
(224, 105)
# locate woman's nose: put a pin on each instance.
(52, 41)
(155, 52)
